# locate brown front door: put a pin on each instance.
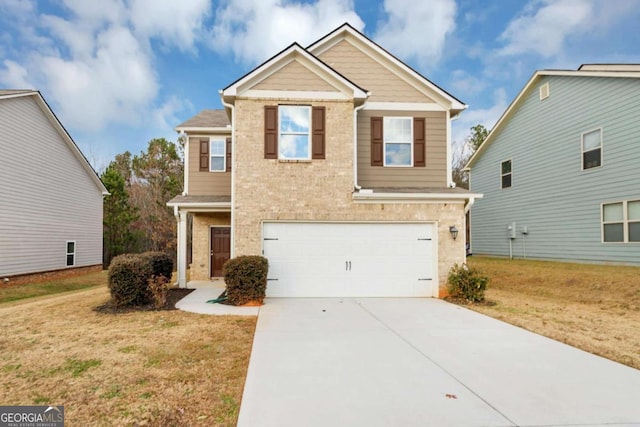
(220, 249)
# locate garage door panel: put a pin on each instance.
(349, 259)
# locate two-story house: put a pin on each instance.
(50, 197)
(333, 161)
(560, 170)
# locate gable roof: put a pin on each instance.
(57, 125)
(585, 70)
(396, 65)
(214, 120)
(282, 58)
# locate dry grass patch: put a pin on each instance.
(592, 307)
(50, 287)
(139, 368)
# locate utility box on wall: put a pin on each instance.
(511, 230)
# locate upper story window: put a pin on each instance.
(71, 253)
(398, 141)
(294, 132)
(592, 149)
(621, 222)
(217, 155)
(505, 174)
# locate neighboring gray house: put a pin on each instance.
(50, 197)
(560, 171)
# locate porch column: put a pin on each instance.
(182, 248)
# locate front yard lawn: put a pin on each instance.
(50, 287)
(592, 307)
(138, 368)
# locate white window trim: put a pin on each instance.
(384, 142)
(625, 222)
(66, 246)
(280, 133)
(601, 148)
(223, 155)
(503, 174)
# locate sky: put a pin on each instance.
(118, 73)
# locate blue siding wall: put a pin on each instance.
(551, 195)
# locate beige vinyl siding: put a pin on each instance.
(370, 75)
(434, 174)
(206, 183)
(294, 76)
(46, 195)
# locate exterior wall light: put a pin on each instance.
(454, 232)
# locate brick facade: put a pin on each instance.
(202, 222)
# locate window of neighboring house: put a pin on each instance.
(505, 174)
(621, 222)
(71, 253)
(592, 149)
(398, 139)
(217, 155)
(294, 142)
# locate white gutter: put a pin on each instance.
(355, 144)
(469, 204)
(378, 197)
(233, 172)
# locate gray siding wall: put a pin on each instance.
(46, 196)
(559, 202)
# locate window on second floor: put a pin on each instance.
(398, 141)
(294, 132)
(621, 222)
(592, 149)
(215, 154)
(505, 174)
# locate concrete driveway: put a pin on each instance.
(422, 362)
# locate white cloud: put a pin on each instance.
(544, 26)
(175, 23)
(15, 76)
(417, 30)
(254, 30)
(463, 82)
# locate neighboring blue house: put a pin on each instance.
(560, 171)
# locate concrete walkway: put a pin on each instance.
(196, 301)
(422, 362)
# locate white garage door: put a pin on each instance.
(349, 259)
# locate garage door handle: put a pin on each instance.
(347, 265)
(423, 239)
(424, 279)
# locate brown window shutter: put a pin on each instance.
(318, 138)
(228, 154)
(377, 145)
(270, 132)
(419, 142)
(204, 155)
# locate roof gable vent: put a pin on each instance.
(544, 91)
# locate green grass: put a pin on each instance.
(31, 290)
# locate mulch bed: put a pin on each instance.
(174, 295)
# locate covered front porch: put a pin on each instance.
(210, 231)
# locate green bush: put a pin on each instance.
(246, 279)
(161, 263)
(128, 280)
(467, 283)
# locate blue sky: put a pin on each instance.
(120, 72)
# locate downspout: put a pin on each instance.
(449, 148)
(233, 172)
(355, 144)
(469, 204)
(183, 136)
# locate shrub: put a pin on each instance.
(467, 283)
(128, 280)
(161, 263)
(158, 288)
(246, 279)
